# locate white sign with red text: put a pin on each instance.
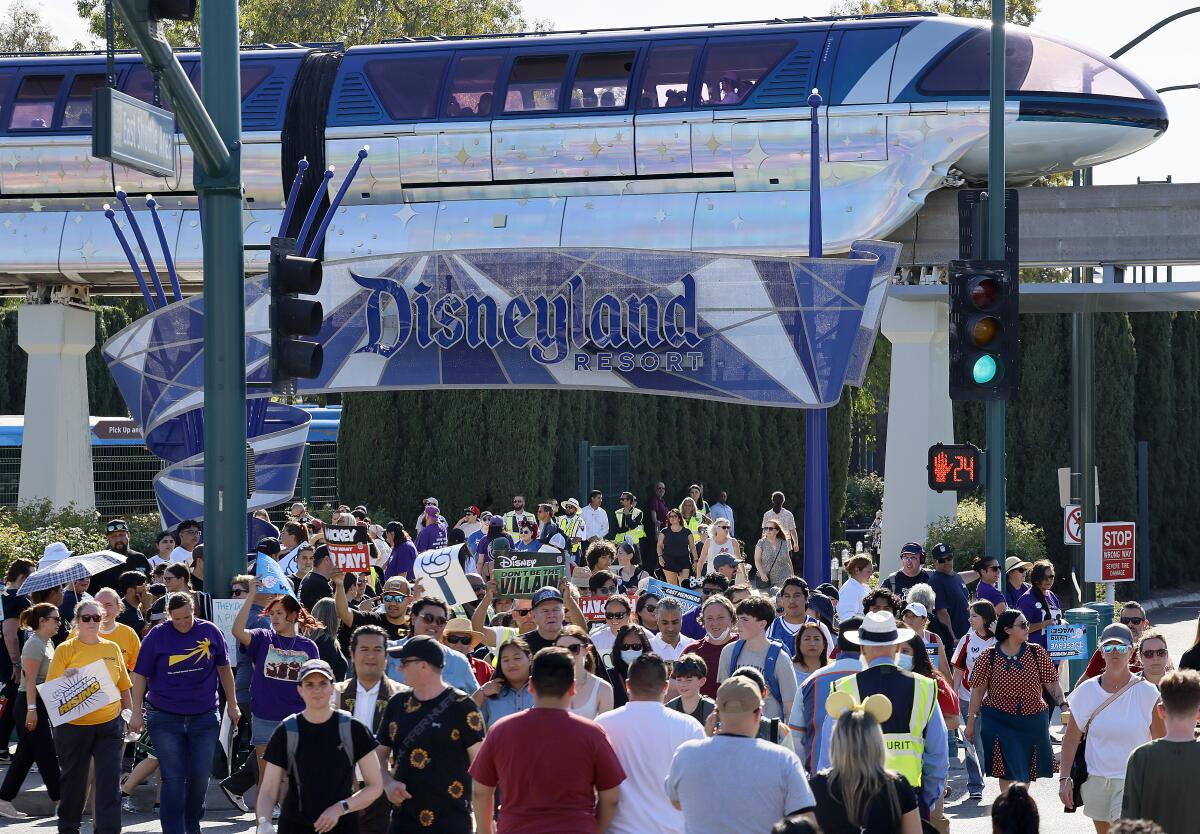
(1109, 550)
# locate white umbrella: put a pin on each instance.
(68, 570)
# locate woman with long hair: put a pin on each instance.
(646, 610)
(1153, 655)
(857, 794)
(592, 695)
(811, 651)
(1191, 658)
(35, 742)
(632, 640)
(618, 612)
(772, 557)
(278, 653)
(508, 690)
(676, 548)
(629, 568)
(690, 514)
(916, 617)
(718, 543)
(1039, 604)
(325, 635)
(1015, 812)
(979, 639)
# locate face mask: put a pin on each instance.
(630, 655)
(904, 661)
(717, 638)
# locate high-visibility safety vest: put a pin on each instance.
(630, 525)
(510, 520)
(913, 697)
(570, 524)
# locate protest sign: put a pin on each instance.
(688, 599)
(68, 698)
(271, 577)
(442, 576)
(593, 607)
(349, 547)
(518, 573)
(224, 612)
(1067, 642)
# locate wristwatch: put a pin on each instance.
(345, 806)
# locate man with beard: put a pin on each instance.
(116, 532)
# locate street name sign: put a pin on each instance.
(130, 132)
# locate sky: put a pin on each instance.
(1103, 25)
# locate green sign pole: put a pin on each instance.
(213, 129)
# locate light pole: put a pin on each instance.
(1153, 29)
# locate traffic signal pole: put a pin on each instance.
(213, 129)
(994, 533)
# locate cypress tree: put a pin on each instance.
(1154, 421)
(1116, 366)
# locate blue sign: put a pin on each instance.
(687, 598)
(758, 330)
(272, 577)
(1067, 642)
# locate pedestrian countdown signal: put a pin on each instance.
(957, 467)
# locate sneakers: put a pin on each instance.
(975, 793)
(235, 799)
(127, 804)
(10, 813)
(275, 813)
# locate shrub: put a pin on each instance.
(27, 529)
(966, 535)
(864, 496)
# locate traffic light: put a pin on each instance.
(172, 9)
(985, 345)
(291, 276)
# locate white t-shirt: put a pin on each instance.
(603, 639)
(645, 736)
(850, 598)
(181, 555)
(970, 647)
(1123, 725)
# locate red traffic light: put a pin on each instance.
(983, 292)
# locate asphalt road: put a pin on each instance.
(967, 816)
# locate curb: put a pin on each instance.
(1171, 600)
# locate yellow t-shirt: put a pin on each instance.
(75, 655)
(123, 636)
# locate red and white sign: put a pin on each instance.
(1072, 524)
(1109, 551)
(349, 548)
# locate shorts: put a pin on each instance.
(676, 562)
(1102, 798)
(261, 730)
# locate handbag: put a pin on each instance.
(1079, 771)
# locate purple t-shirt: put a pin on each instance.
(989, 592)
(400, 563)
(432, 535)
(277, 662)
(1033, 610)
(181, 669)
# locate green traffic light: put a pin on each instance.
(984, 370)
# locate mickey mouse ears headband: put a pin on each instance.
(877, 706)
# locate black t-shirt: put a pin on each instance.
(1191, 658)
(536, 641)
(429, 742)
(131, 616)
(326, 776)
(396, 631)
(831, 813)
(202, 608)
(313, 589)
(899, 584)
(110, 578)
(12, 605)
(704, 708)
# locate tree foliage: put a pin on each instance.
(22, 29)
(1019, 11)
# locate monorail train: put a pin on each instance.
(664, 137)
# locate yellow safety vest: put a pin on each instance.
(569, 524)
(635, 530)
(510, 520)
(904, 739)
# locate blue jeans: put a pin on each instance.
(975, 763)
(185, 745)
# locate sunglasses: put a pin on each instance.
(460, 641)
(1119, 648)
(574, 648)
(990, 567)
(1153, 652)
(433, 620)
(478, 588)
(633, 647)
(237, 592)
(608, 590)
(1132, 621)
(650, 608)
(615, 615)
(59, 619)
(394, 597)
(770, 529)
(90, 618)
(1021, 624)
(1017, 570)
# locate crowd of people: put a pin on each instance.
(365, 702)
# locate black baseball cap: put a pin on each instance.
(941, 552)
(421, 647)
(117, 525)
(268, 545)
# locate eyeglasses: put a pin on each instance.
(394, 597)
(237, 592)
(910, 557)
(650, 608)
(522, 612)
(615, 615)
(574, 648)
(1021, 624)
(58, 619)
(1132, 621)
(464, 640)
(632, 647)
(90, 618)
(770, 529)
(478, 588)
(1153, 652)
(1017, 570)
(1119, 648)
(434, 620)
(990, 567)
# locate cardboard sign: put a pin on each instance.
(1108, 549)
(349, 547)
(224, 612)
(272, 577)
(68, 698)
(518, 573)
(1067, 642)
(688, 598)
(593, 607)
(931, 649)
(442, 575)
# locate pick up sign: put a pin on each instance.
(1109, 551)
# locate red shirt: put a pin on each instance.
(547, 788)
(711, 652)
(1096, 664)
(482, 669)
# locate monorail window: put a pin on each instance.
(602, 81)
(732, 70)
(251, 76)
(1033, 64)
(534, 83)
(408, 87)
(78, 110)
(34, 107)
(472, 86)
(668, 75)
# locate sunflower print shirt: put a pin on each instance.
(433, 762)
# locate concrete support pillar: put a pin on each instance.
(56, 453)
(919, 415)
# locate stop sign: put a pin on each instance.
(1109, 551)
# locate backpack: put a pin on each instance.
(291, 726)
(773, 651)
